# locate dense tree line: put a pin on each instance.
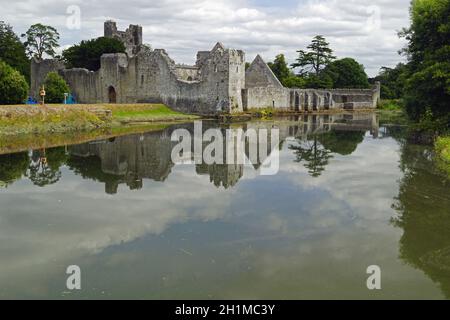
(392, 81)
(427, 88)
(317, 67)
(41, 41)
(13, 51)
(424, 81)
(15, 58)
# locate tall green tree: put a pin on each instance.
(282, 71)
(428, 52)
(280, 67)
(13, 86)
(87, 54)
(12, 50)
(318, 56)
(347, 73)
(41, 39)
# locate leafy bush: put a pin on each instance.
(428, 52)
(347, 73)
(12, 51)
(55, 87)
(442, 147)
(13, 86)
(294, 81)
(390, 104)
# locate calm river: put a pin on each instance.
(350, 193)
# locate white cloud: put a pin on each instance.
(183, 27)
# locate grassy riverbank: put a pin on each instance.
(26, 119)
(23, 142)
(442, 147)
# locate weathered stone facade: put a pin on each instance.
(264, 90)
(217, 82)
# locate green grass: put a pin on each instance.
(442, 147)
(76, 120)
(23, 119)
(22, 142)
(157, 112)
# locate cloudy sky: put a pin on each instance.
(363, 29)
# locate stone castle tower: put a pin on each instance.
(131, 37)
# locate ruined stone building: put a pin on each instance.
(218, 82)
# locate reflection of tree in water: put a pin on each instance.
(423, 206)
(91, 168)
(13, 167)
(342, 142)
(317, 152)
(313, 154)
(45, 166)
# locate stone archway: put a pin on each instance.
(112, 96)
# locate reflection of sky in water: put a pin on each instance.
(283, 236)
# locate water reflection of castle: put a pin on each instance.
(130, 159)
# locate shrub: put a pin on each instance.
(13, 86)
(347, 73)
(55, 87)
(442, 147)
(390, 104)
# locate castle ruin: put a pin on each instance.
(217, 83)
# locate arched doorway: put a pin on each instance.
(112, 97)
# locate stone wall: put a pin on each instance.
(214, 85)
(263, 90)
(266, 97)
(39, 70)
(188, 73)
